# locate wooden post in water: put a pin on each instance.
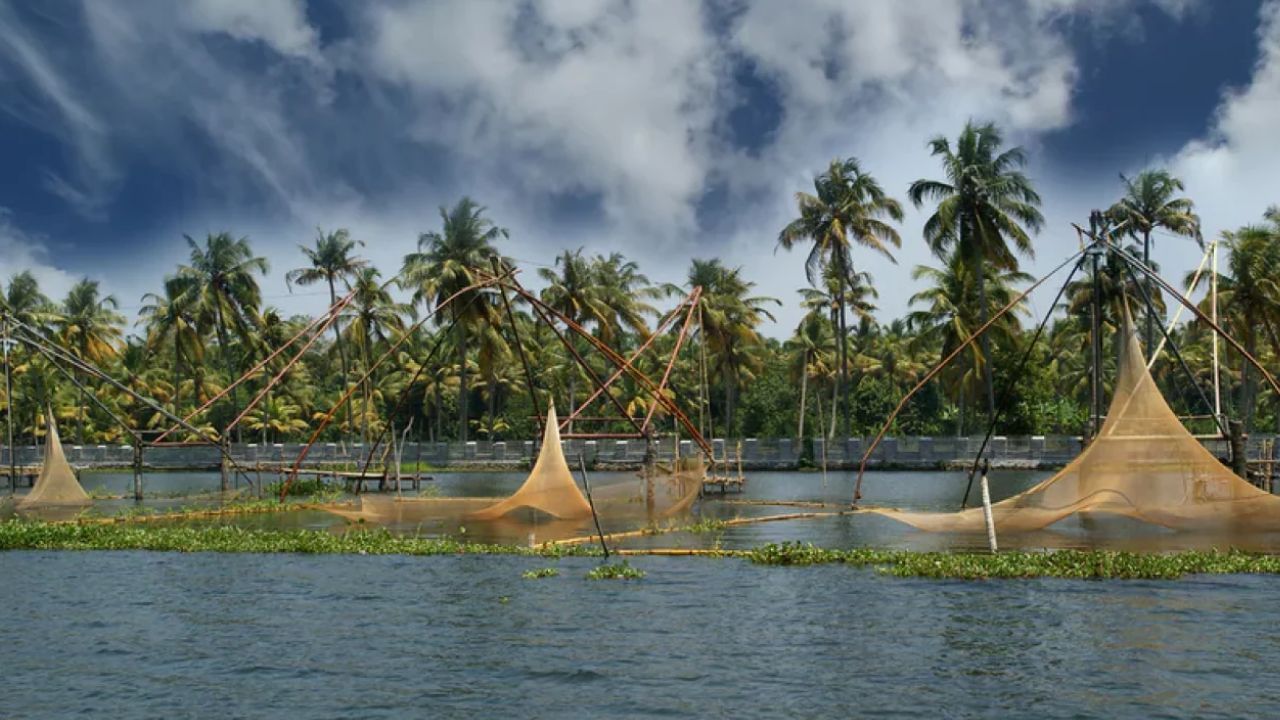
(586, 485)
(1236, 438)
(223, 466)
(986, 508)
(650, 467)
(137, 468)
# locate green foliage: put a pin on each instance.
(707, 525)
(1076, 564)
(546, 572)
(615, 571)
(301, 487)
(25, 535)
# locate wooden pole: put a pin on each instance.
(137, 469)
(225, 443)
(586, 484)
(1236, 437)
(986, 509)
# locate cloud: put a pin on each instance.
(1231, 173)
(612, 99)
(20, 251)
(600, 124)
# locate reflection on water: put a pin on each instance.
(934, 491)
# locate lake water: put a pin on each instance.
(153, 635)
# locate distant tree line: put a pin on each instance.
(840, 371)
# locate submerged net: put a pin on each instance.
(549, 488)
(56, 485)
(1142, 465)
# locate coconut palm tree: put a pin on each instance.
(90, 328)
(1250, 293)
(332, 262)
(950, 313)
(169, 321)
(847, 207)
(223, 294)
(807, 347)
(447, 262)
(1150, 201)
(374, 321)
(276, 418)
(573, 291)
(730, 316)
(984, 203)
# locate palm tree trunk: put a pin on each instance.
(462, 382)
(342, 351)
(1246, 387)
(983, 310)
(728, 403)
(835, 401)
(439, 416)
(230, 368)
(177, 373)
(844, 341)
(804, 385)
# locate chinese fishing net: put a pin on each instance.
(549, 498)
(56, 486)
(1142, 465)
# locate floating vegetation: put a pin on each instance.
(16, 534)
(314, 488)
(26, 535)
(615, 571)
(707, 525)
(540, 573)
(1079, 564)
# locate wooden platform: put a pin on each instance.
(723, 484)
(350, 477)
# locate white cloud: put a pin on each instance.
(281, 24)
(612, 98)
(523, 105)
(1233, 174)
(20, 251)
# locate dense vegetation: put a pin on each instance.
(841, 370)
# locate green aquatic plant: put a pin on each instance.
(1078, 564)
(27, 535)
(707, 525)
(540, 573)
(615, 571)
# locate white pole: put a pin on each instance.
(1213, 305)
(1177, 315)
(986, 513)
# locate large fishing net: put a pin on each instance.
(56, 485)
(549, 488)
(1142, 465)
(548, 502)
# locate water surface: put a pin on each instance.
(147, 635)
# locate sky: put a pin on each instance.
(665, 130)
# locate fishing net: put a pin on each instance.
(549, 488)
(56, 485)
(1142, 465)
(548, 503)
